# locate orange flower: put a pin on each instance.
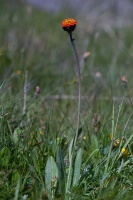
(69, 24)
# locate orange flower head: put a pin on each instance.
(69, 24)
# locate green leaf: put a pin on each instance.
(61, 171)
(77, 167)
(95, 144)
(70, 169)
(51, 176)
(17, 189)
(16, 135)
(4, 156)
(15, 176)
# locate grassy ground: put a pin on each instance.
(37, 130)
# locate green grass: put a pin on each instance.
(35, 145)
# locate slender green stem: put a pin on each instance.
(79, 85)
(72, 146)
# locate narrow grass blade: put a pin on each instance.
(110, 149)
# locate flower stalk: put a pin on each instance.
(69, 26)
(79, 86)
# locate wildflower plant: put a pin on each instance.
(40, 158)
(69, 26)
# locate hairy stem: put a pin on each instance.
(73, 144)
(79, 86)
